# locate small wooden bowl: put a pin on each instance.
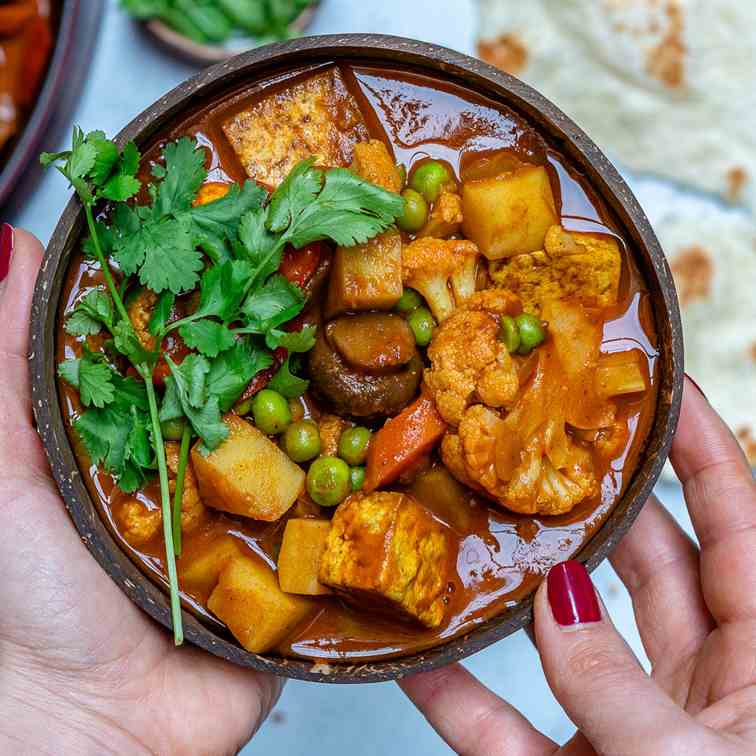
(479, 77)
(208, 54)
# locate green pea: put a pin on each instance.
(328, 481)
(410, 300)
(415, 211)
(428, 178)
(509, 334)
(271, 411)
(422, 324)
(301, 441)
(172, 430)
(357, 478)
(531, 331)
(244, 407)
(353, 445)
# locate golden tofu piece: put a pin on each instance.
(247, 474)
(387, 551)
(200, 568)
(366, 277)
(577, 266)
(314, 117)
(445, 217)
(303, 544)
(373, 162)
(248, 600)
(509, 214)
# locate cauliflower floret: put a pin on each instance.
(581, 267)
(140, 309)
(468, 362)
(445, 217)
(139, 523)
(192, 508)
(432, 266)
(373, 163)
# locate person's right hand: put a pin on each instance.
(696, 612)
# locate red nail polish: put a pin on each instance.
(6, 250)
(700, 390)
(571, 596)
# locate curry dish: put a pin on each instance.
(403, 358)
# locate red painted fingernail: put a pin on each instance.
(700, 390)
(6, 250)
(571, 596)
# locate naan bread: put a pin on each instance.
(712, 253)
(666, 86)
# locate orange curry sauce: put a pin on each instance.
(500, 556)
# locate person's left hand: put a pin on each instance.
(82, 669)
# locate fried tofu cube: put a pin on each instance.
(367, 276)
(509, 214)
(248, 600)
(314, 117)
(578, 266)
(302, 547)
(247, 474)
(373, 162)
(385, 550)
(200, 568)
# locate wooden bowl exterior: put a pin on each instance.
(480, 77)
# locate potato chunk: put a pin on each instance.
(366, 277)
(247, 474)
(373, 162)
(303, 545)
(200, 568)
(387, 551)
(253, 607)
(316, 116)
(621, 373)
(509, 214)
(575, 266)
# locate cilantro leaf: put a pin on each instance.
(207, 337)
(184, 174)
(162, 312)
(349, 210)
(222, 289)
(298, 190)
(90, 314)
(274, 303)
(127, 343)
(232, 371)
(286, 383)
(93, 379)
(128, 165)
(293, 341)
(187, 387)
(258, 245)
(106, 156)
(120, 188)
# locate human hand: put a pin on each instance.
(696, 612)
(83, 670)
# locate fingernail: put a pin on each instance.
(571, 595)
(6, 250)
(700, 390)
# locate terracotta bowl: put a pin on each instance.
(481, 78)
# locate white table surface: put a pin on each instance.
(128, 72)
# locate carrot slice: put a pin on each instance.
(402, 441)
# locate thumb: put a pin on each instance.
(593, 673)
(20, 258)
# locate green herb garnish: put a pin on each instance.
(231, 249)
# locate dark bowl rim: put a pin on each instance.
(475, 75)
(47, 101)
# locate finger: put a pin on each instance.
(18, 440)
(593, 673)
(721, 496)
(659, 565)
(473, 720)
